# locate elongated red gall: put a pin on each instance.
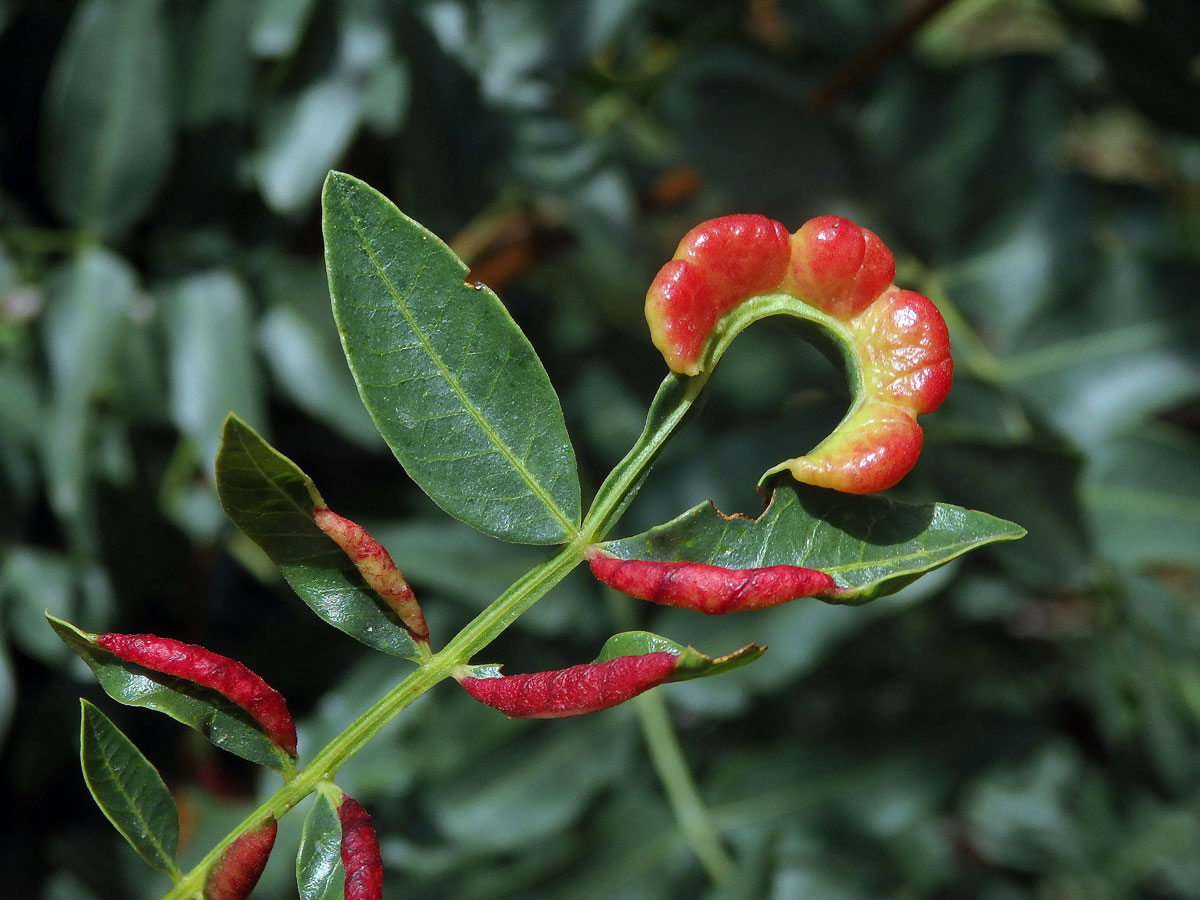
(226, 676)
(361, 859)
(709, 589)
(376, 568)
(574, 691)
(234, 875)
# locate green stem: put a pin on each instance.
(473, 638)
(676, 778)
(670, 406)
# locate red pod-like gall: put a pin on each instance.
(574, 691)
(718, 264)
(361, 859)
(234, 875)
(906, 350)
(376, 568)
(709, 589)
(226, 676)
(839, 267)
(870, 451)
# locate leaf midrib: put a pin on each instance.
(476, 416)
(147, 833)
(306, 513)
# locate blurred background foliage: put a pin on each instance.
(1023, 724)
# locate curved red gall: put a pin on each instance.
(574, 691)
(865, 458)
(713, 590)
(361, 859)
(681, 308)
(744, 254)
(376, 567)
(226, 676)
(907, 348)
(838, 266)
(718, 264)
(234, 875)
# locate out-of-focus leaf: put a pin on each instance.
(1118, 352)
(627, 843)
(304, 138)
(385, 97)
(869, 545)
(213, 367)
(8, 693)
(310, 370)
(319, 871)
(1036, 486)
(278, 26)
(34, 581)
(982, 28)
(221, 73)
(128, 790)
(64, 886)
(269, 498)
(1142, 494)
(526, 792)
(220, 721)
(89, 302)
(108, 117)
(1020, 817)
(452, 384)
(1150, 58)
(20, 421)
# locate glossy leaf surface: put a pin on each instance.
(691, 663)
(319, 871)
(128, 790)
(206, 711)
(451, 382)
(272, 500)
(869, 545)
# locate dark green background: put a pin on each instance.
(1023, 724)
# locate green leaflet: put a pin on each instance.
(222, 722)
(453, 385)
(128, 790)
(871, 546)
(692, 663)
(319, 872)
(270, 499)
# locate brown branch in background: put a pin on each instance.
(867, 60)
